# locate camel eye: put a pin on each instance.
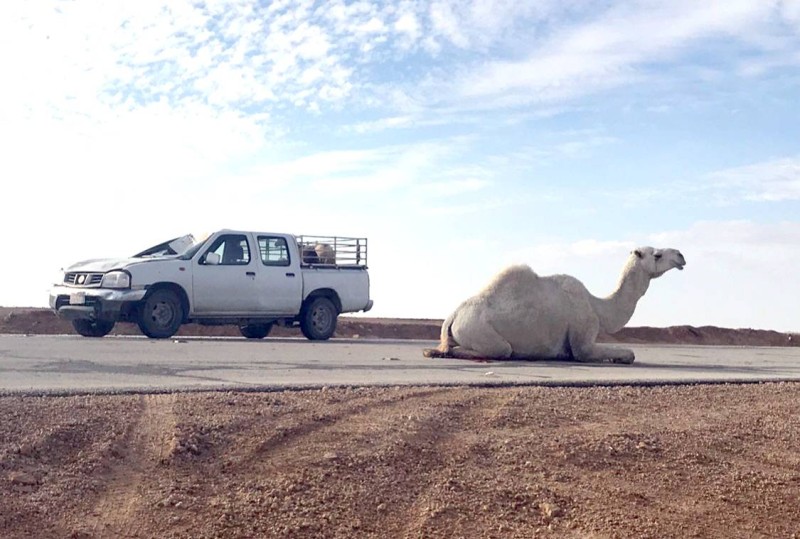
(658, 256)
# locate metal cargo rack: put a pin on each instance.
(332, 251)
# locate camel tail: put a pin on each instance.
(446, 343)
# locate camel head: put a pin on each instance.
(656, 262)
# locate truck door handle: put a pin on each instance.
(289, 274)
(250, 273)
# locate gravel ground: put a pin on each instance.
(678, 461)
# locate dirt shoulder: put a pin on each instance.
(661, 462)
(45, 322)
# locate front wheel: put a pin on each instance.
(161, 314)
(255, 331)
(92, 328)
(318, 319)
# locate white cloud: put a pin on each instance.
(612, 50)
(487, 205)
(578, 147)
(449, 188)
(770, 181)
(407, 25)
(382, 124)
(739, 239)
(790, 9)
(446, 23)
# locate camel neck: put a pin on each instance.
(615, 310)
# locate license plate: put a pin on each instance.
(79, 298)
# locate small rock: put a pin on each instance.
(26, 450)
(330, 455)
(550, 510)
(22, 478)
(356, 335)
(489, 373)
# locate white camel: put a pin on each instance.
(522, 315)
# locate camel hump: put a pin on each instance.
(512, 277)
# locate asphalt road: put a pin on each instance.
(72, 364)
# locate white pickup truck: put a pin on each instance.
(251, 279)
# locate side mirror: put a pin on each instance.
(212, 259)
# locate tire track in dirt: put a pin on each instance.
(267, 459)
(426, 511)
(286, 442)
(424, 448)
(148, 442)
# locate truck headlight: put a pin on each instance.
(116, 279)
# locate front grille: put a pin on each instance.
(82, 278)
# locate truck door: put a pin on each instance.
(279, 283)
(224, 277)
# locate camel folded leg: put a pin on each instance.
(459, 352)
(599, 353)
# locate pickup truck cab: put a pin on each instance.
(250, 279)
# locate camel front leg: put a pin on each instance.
(582, 337)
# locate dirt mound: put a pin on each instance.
(45, 322)
(704, 335)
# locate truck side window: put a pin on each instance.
(274, 251)
(233, 250)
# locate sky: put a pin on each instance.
(458, 136)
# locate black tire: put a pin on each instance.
(92, 328)
(255, 331)
(160, 314)
(318, 319)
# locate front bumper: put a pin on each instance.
(72, 303)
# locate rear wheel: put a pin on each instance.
(255, 331)
(161, 314)
(92, 328)
(318, 319)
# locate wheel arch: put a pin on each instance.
(179, 291)
(329, 293)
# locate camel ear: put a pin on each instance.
(638, 253)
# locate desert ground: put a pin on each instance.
(426, 462)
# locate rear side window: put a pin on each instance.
(274, 251)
